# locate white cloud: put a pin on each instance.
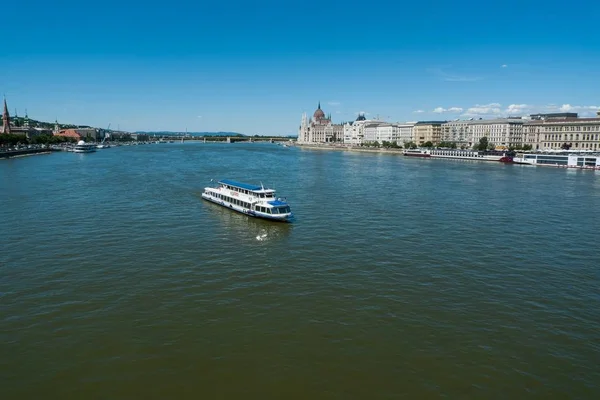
(364, 112)
(504, 66)
(418, 111)
(516, 109)
(199, 116)
(333, 103)
(454, 110)
(480, 110)
(581, 109)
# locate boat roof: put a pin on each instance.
(277, 203)
(240, 184)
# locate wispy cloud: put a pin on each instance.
(503, 66)
(452, 77)
(333, 103)
(199, 116)
(419, 111)
(452, 110)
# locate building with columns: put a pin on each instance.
(320, 129)
(551, 132)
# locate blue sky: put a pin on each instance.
(254, 67)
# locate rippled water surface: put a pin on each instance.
(399, 277)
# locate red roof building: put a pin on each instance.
(71, 133)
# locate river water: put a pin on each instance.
(399, 277)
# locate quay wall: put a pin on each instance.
(24, 152)
(349, 148)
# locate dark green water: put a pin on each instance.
(400, 277)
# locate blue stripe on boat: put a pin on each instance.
(277, 203)
(240, 185)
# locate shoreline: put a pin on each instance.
(350, 148)
(8, 156)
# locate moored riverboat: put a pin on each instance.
(253, 200)
(561, 159)
(488, 155)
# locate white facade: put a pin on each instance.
(354, 133)
(501, 132)
(405, 133)
(303, 131)
(362, 131)
(370, 132)
(458, 132)
(553, 134)
(387, 133)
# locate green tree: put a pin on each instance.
(483, 144)
(428, 144)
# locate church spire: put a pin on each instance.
(5, 119)
(318, 108)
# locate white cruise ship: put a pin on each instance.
(83, 147)
(564, 159)
(252, 200)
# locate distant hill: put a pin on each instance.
(169, 133)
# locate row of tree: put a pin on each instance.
(11, 139)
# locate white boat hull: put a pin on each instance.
(247, 211)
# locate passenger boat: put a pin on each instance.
(252, 200)
(564, 159)
(83, 147)
(488, 155)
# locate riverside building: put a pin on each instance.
(364, 131)
(354, 133)
(22, 128)
(559, 132)
(504, 132)
(320, 129)
(458, 132)
(427, 131)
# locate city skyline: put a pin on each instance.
(255, 69)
